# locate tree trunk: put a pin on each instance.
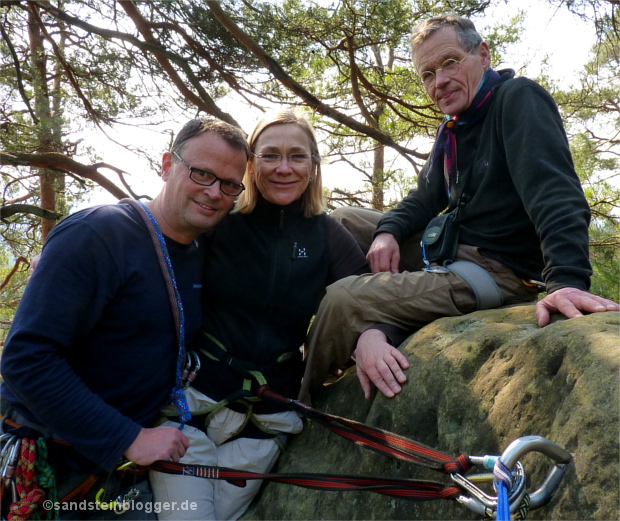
(378, 169)
(50, 181)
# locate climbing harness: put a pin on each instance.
(511, 499)
(487, 292)
(243, 400)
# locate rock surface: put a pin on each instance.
(475, 384)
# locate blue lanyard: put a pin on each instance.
(177, 396)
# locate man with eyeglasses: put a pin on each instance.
(92, 353)
(204, 178)
(524, 217)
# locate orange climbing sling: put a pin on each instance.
(508, 475)
(28, 493)
(508, 472)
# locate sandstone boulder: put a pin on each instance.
(476, 383)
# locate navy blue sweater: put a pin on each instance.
(91, 353)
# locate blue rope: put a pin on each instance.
(177, 396)
(503, 506)
(503, 484)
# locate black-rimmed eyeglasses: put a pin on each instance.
(204, 178)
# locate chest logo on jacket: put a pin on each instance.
(299, 252)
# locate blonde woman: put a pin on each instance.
(268, 265)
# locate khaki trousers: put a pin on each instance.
(409, 300)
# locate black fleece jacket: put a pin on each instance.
(527, 208)
(265, 275)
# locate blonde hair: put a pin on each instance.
(312, 200)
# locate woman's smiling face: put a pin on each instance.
(286, 182)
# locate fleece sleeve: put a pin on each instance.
(415, 211)
(75, 278)
(542, 170)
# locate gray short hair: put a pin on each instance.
(466, 32)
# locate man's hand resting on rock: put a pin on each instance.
(571, 302)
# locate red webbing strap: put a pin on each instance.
(376, 439)
(416, 490)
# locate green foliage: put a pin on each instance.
(605, 258)
(352, 55)
(592, 118)
(13, 279)
(501, 35)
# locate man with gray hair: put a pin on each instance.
(514, 213)
(95, 348)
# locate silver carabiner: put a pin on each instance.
(562, 457)
(5, 449)
(5, 436)
(185, 373)
(10, 457)
(435, 268)
(191, 369)
(484, 504)
(195, 367)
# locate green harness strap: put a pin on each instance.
(234, 362)
(244, 396)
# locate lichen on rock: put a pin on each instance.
(475, 384)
